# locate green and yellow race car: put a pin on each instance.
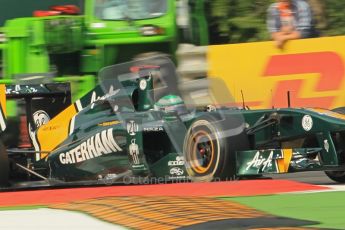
(138, 125)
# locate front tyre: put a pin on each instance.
(209, 148)
(337, 176)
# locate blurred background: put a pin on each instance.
(24, 8)
(230, 21)
(204, 38)
(234, 21)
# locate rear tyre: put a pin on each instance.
(337, 176)
(4, 166)
(209, 148)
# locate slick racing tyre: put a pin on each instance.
(209, 148)
(338, 176)
(4, 166)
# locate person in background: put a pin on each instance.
(288, 20)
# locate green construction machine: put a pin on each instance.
(70, 43)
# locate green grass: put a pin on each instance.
(327, 208)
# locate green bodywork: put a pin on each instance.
(130, 124)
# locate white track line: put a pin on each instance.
(336, 187)
(331, 188)
(45, 218)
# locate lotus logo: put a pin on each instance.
(40, 118)
(132, 128)
(307, 122)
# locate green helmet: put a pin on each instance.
(171, 103)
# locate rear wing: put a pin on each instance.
(37, 90)
(50, 99)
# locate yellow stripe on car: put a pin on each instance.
(283, 163)
(56, 130)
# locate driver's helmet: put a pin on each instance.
(171, 103)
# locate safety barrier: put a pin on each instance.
(312, 70)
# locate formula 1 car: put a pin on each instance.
(137, 123)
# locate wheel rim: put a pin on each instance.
(202, 152)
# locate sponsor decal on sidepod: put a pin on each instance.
(176, 171)
(96, 146)
(179, 161)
